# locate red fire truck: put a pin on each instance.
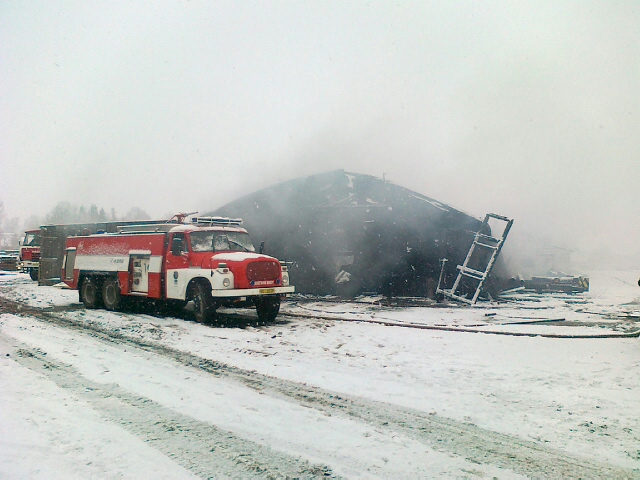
(30, 253)
(209, 261)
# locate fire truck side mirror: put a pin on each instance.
(261, 250)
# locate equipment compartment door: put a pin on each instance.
(140, 273)
(68, 263)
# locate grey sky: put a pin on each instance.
(527, 109)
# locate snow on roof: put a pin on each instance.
(237, 256)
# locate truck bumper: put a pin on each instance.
(252, 292)
(28, 264)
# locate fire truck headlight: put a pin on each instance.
(285, 279)
(226, 282)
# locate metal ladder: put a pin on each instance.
(483, 241)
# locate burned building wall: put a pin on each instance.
(348, 234)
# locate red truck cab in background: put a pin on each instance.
(209, 261)
(30, 253)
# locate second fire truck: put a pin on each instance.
(30, 253)
(209, 261)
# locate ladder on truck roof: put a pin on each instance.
(211, 221)
(147, 228)
(482, 263)
(166, 226)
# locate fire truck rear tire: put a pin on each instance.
(111, 294)
(202, 303)
(33, 273)
(91, 295)
(267, 308)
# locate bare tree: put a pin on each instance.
(63, 212)
(137, 213)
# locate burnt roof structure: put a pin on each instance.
(347, 234)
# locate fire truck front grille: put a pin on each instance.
(30, 255)
(261, 271)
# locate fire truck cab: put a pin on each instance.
(209, 261)
(30, 253)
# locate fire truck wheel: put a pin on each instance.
(267, 308)
(91, 293)
(33, 273)
(202, 303)
(111, 294)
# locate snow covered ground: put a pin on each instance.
(525, 387)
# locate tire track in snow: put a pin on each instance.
(449, 436)
(204, 449)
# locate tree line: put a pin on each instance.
(66, 212)
(12, 228)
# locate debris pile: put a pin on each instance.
(558, 284)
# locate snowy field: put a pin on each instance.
(531, 386)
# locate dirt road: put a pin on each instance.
(224, 420)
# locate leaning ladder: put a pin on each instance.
(483, 241)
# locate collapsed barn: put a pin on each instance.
(348, 234)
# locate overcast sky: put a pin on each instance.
(526, 109)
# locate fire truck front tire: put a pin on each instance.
(267, 308)
(111, 294)
(202, 303)
(91, 295)
(33, 273)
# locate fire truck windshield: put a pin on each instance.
(31, 240)
(221, 242)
